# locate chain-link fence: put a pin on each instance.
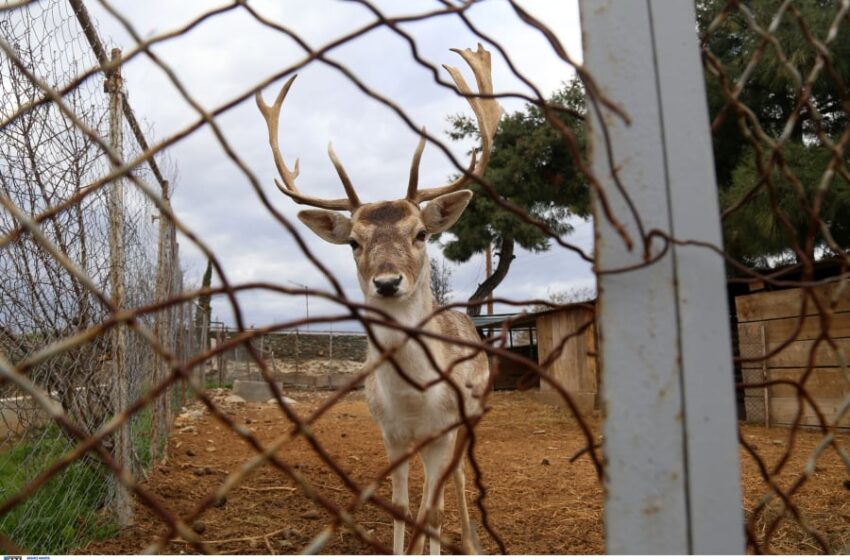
(776, 80)
(100, 339)
(62, 251)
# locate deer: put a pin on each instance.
(389, 245)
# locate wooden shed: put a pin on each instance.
(770, 319)
(536, 336)
(575, 368)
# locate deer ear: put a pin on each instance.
(333, 227)
(442, 212)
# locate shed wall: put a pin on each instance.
(575, 367)
(770, 320)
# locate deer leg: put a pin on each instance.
(398, 477)
(435, 459)
(459, 479)
(419, 539)
(460, 487)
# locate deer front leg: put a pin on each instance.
(398, 477)
(459, 480)
(435, 459)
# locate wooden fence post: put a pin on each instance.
(672, 474)
(114, 87)
(162, 291)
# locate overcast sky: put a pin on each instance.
(228, 54)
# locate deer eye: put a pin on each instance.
(421, 235)
(354, 245)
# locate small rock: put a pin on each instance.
(545, 462)
(163, 469)
(210, 449)
(190, 452)
(292, 533)
(208, 470)
(248, 420)
(234, 399)
(847, 484)
(343, 434)
(287, 400)
(189, 417)
(221, 502)
(199, 527)
(178, 444)
(777, 442)
(284, 544)
(199, 471)
(312, 514)
(754, 447)
(538, 432)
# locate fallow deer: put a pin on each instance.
(388, 240)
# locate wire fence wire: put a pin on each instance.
(52, 308)
(73, 457)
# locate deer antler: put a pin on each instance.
(271, 114)
(487, 112)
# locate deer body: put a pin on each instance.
(420, 396)
(408, 415)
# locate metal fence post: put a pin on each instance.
(123, 443)
(672, 472)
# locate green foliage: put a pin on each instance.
(140, 428)
(773, 95)
(214, 384)
(755, 231)
(64, 513)
(530, 166)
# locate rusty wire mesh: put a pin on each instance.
(776, 78)
(46, 161)
(58, 316)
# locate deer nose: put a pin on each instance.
(387, 285)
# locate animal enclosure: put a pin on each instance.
(703, 140)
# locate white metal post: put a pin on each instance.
(672, 473)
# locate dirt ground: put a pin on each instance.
(537, 501)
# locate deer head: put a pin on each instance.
(388, 238)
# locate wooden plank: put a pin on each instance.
(822, 382)
(544, 345)
(787, 303)
(575, 369)
(796, 354)
(590, 354)
(784, 409)
(779, 330)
